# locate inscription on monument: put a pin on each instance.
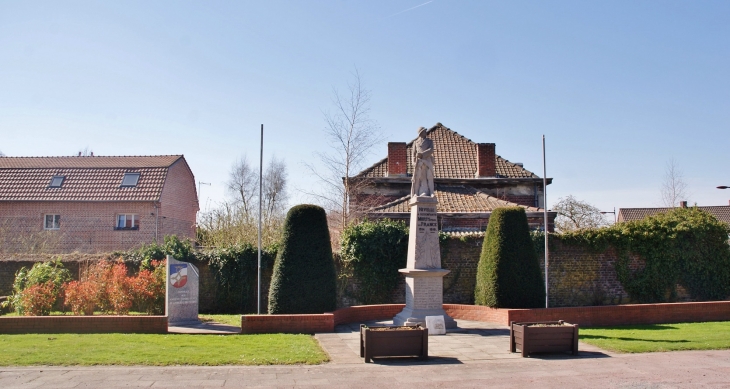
(182, 292)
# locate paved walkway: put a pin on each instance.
(475, 357)
(471, 341)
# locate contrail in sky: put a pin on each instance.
(409, 9)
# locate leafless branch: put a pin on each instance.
(674, 189)
(351, 135)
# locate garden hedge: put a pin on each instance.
(304, 279)
(508, 274)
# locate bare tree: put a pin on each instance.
(574, 214)
(351, 135)
(243, 184)
(275, 195)
(674, 189)
(236, 222)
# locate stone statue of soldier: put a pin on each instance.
(422, 165)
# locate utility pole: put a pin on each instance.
(545, 216)
(261, 185)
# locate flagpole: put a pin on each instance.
(261, 173)
(545, 217)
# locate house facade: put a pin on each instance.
(470, 179)
(94, 204)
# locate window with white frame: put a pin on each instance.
(127, 221)
(52, 222)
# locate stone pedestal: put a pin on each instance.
(424, 275)
(181, 304)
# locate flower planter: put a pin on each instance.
(544, 336)
(403, 341)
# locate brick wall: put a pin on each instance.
(616, 315)
(84, 226)
(178, 202)
(83, 324)
(296, 324)
(584, 316)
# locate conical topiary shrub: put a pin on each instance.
(304, 272)
(508, 275)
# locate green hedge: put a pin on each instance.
(236, 274)
(304, 278)
(235, 269)
(374, 251)
(508, 274)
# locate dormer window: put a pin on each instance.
(130, 179)
(56, 181)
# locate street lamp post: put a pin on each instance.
(614, 214)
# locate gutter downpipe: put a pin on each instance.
(157, 218)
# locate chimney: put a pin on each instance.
(486, 160)
(397, 159)
(683, 204)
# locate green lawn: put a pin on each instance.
(659, 337)
(160, 350)
(231, 320)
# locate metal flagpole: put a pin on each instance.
(261, 183)
(545, 217)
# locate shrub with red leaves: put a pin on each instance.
(81, 297)
(38, 299)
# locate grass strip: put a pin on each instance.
(231, 320)
(158, 350)
(659, 337)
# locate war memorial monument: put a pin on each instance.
(423, 272)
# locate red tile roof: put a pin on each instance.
(86, 178)
(454, 199)
(454, 157)
(721, 212)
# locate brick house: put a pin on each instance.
(94, 204)
(721, 212)
(470, 180)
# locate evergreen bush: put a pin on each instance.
(304, 272)
(374, 251)
(508, 274)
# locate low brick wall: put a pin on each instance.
(367, 312)
(83, 324)
(477, 313)
(615, 315)
(289, 324)
(585, 316)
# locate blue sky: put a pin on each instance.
(617, 87)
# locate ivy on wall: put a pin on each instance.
(372, 252)
(685, 246)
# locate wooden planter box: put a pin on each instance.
(543, 336)
(393, 342)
